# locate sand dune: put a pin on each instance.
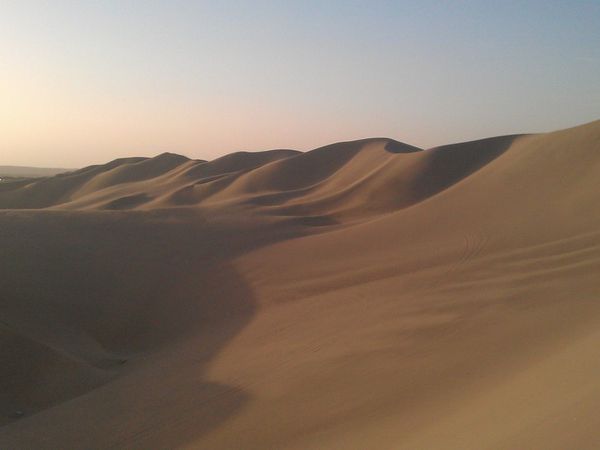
(366, 294)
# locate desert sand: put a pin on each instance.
(363, 295)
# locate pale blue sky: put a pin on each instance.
(86, 81)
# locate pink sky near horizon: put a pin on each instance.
(85, 82)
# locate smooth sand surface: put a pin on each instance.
(364, 295)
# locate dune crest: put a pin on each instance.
(343, 180)
(365, 294)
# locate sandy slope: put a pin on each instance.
(363, 295)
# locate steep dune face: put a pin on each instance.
(95, 302)
(366, 294)
(35, 376)
(348, 179)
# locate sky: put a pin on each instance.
(84, 82)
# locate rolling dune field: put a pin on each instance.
(366, 294)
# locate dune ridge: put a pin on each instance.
(344, 179)
(365, 294)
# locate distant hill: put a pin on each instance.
(29, 172)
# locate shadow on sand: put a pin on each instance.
(448, 164)
(137, 304)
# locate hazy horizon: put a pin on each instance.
(84, 83)
(153, 154)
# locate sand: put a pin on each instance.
(366, 294)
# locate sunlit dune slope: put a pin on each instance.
(366, 294)
(357, 178)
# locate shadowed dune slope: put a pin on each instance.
(366, 294)
(348, 179)
(34, 375)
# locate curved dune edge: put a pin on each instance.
(347, 180)
(362, 295)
